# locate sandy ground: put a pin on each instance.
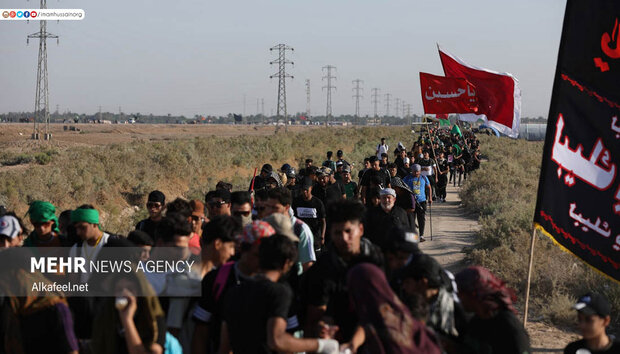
(18, 135)
(453, 230)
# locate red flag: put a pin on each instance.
(302, 118)
(443, 116)
(499, 96)
(447, 94)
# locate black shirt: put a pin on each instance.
(311, 212)
(381, 177)
(148, 226)
(400, 164)
(442, 166)
(378, 223)
(209, 308)
(329, 193)
(248, 307)
(503, 333)
(581, 344)
(259, 183)
(326, 284)
(295, 190)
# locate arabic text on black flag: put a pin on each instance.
(578, 202)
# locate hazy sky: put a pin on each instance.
(201, 57)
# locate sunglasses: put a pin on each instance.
(197, 218)
(153, 205)
(241, 213)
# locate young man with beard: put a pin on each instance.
(155, 205)
(218, 202)
(325, 285)
(327, 190)
(374, 177)
(241, 206)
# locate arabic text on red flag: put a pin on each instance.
(447, 95)
(578, 203)
(499, 96)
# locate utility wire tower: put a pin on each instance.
(41, 100)
(397, 107)
(329, 88)
(357, 97)
(387, 104)
(409, 113)
(404, 107)
(262, 109)
(307, 98)
(281, 75)
(375, 101)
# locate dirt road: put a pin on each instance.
(453, 230)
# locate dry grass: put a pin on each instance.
(117, 177)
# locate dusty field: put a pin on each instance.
(17, 135)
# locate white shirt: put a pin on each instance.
(89, 252)
(382, 149)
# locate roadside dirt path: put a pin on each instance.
(453, 230)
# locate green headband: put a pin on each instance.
(40, 211)
(90, 216)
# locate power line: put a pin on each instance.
(375, 99)
(281, 75)
(387, 104)
(329, 88)
(397, 107)
(357, 97)
(41, 100)
(307, 98)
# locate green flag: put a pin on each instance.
(444, 122)
(456, 130)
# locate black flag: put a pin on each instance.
(238, 117)
(578, 202)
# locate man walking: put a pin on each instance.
(421, 187)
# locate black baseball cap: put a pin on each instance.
(157, 197)
(593, 304)
(306, 183)
(402, 240)
(267, 168)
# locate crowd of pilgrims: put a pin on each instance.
(305, 260)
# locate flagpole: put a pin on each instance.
(529, 277)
